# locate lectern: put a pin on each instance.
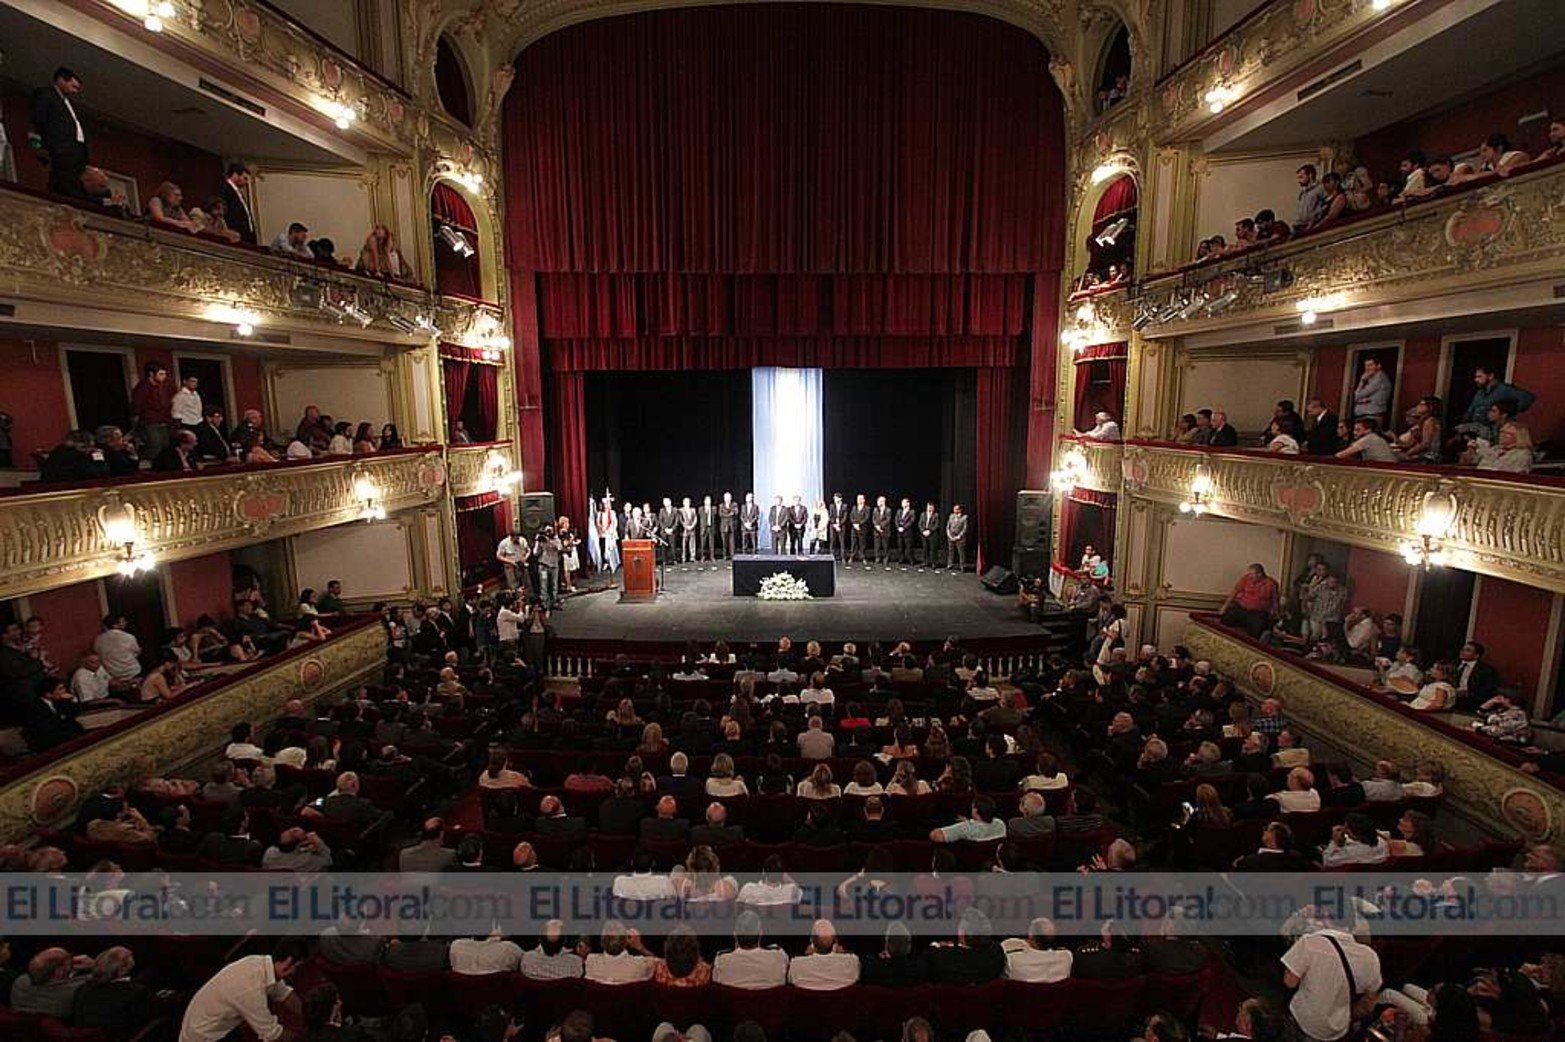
(639, 561)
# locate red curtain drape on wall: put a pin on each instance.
(800, 185)
(454, 273)
(1118, 200)
(488, 377)
(1100, 383)
(456, 377)
(1087, 517)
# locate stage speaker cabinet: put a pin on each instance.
(1034, 518)
(534, 510)
(1000, 579)
(1030, 562)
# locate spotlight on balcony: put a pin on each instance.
(1196, 302)
(358, 314)
(456, 240)
(1222, 302)
(426, 324)
(1107, 236)
(334, 309)
(1143, 317)
(402, 324)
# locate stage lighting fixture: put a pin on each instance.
(427, 324)
(1142, 319)
(1222, 302)
(456, 240)
(1196, 302)
(1112, 232)
(402, 324)
(334, 309)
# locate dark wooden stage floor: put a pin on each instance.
(871, 603)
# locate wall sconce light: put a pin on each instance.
(119, 528)
(1073, 467)
(1220, 97)
(243, 320)
(1310, 308)
(367, 492)
(1382, 5)
(501, 477)
(1200, 498)
(341, 114)
(153, 13)
(1436, 516)
(472, 180)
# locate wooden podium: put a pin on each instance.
(640, 570)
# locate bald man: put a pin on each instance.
(667, 824)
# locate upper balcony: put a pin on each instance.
(55, 536)
(1491, 244)
(64, 265)
(1505, 525)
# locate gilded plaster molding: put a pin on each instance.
(1099, 466)
(473, 468)
(1485, 790)
(173, 739)
(1510, 529)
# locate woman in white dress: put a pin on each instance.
(603, 538)
(820, 524)
(570, 554)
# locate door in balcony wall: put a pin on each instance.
(1445, 604)
(140, 600)
(1390, 358)
(99, 383)
(1466, 354)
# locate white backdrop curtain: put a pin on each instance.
(786, 428)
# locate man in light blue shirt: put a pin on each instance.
(981, 827)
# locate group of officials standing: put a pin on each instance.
(713, 531)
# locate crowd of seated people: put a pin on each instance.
(1326, 200)
(44, 698)
(172, 430)
(1488, 435)
(451, 767)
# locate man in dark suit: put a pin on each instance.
(667, 825)
(728, 523)
(1476, 680)
(676, 782)
(1276, 853)
(59, 132)
(1320, 437)
(880, 523)
(554, 823)
(777, 522)
(667, 529)
(180, 454)
(716, 832)
(956, 539)
(975, 958)
(872, 826)
(929, 529)
(837, 528)
(1224, 436)
(231, 843)
(798, 525)
(749, 523)
(45, 722)
(858, 528)
(236, 209)
(897, 965)
(344, 803)
(706, 527)
(621, 813)
(430, 853)
(110, 999)
(904, 521)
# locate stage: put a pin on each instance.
(871, 603)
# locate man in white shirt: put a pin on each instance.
(824, 966)
(185, 406)
(512, 555)
(1367, 443)
(1104, 428)
(620, 961)
(240, 992)
(749, 965)
(118, 649)
(1362, 634)
(1355, 842)
(981, 827)
(1319, 966)
(1035, 958)
(773, 888)
(240, 747)
(508, 627)
(1300, 796)
(643, 884)
(90, 682)
(478, 956)
(553, 959)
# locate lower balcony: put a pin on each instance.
(1484, 782)
(51, 538)
(482, 467)
(45, 790)
(1510, 526)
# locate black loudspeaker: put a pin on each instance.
(1030, 562)
(1034, 518)
(534, 510)
(999, 580)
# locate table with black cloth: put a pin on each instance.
(819, 572)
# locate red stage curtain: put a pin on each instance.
(455, 274)
(867, 352)
(456, 375)
(488, 377)
(1100, 383)
(998, 470)
(784, 138)
(568, 448)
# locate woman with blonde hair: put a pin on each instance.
(702, 878)
(623, 716)
(906, 782)
(819, 785)
(721, 780)
(380, 255)
(1209, 812)
(652, 741)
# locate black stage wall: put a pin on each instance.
(893, 432)
(656, 434)
(901, 432)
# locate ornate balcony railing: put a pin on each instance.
(1502, 232)
(1512, 527)
(1483, 779)
(51, 538)
(1255, 56)
(48, 789)
(57, 253)
(476, 469)
(1098, 463)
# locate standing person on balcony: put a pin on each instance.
(236, 209)
(1492, 389)
(1372, 393)
(57, 132)
(151, 403)
(185, 406)
(1312, 199)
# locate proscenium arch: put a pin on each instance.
(490, 256)
(540, 20)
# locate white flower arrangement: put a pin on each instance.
(783, 587)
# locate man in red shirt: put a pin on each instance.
(152, 402)
(1253, 602)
